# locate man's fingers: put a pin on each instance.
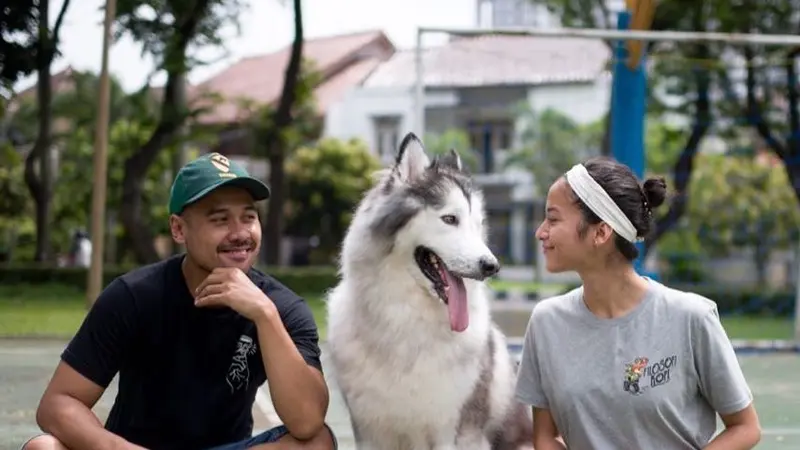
(212, 279)
(210, 300)
(210, 289)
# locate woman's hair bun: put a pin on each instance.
(655, 192)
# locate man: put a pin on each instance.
(193, 337)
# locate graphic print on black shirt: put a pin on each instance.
(188, 376)
(239, 372)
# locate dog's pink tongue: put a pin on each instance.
(457, 303)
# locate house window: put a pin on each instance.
(487, 137)
(387, 130)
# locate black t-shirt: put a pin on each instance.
(188, 376)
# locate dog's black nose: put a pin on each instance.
(489, 267)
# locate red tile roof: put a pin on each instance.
(343, 60)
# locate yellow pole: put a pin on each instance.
(642, 12)
(95, 278)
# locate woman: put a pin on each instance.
(624, 362)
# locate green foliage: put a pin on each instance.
(739, 202)
(304, 281)
(14, 198)
(165, 27)
(454, 138)
(326, 181)
(73, 191)
(20, 29)
(551, 143)
(306, 124)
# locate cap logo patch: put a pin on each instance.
(220, 162)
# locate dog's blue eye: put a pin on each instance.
(450, 219)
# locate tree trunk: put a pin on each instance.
(276, 145)
(682, 173)
(135, 220)
(787, 153)
(40, 184)
(605, 144)
(793, 143)
(173, 115)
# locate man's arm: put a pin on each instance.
(89, 363)
(298, 389)
(65, 412)
(287, 336)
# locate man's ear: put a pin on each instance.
(177, 227)
(411, 158)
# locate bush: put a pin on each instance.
(749, 301)
(303, 280)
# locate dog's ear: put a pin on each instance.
(451, 159)
(411, 158)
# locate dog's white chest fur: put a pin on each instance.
(402, 378)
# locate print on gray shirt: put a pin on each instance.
(654, 378)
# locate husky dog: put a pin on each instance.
(413, 348)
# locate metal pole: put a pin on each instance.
(419, 88)
(95, 280)
(641, 35)
(797, 297)
(628, 111)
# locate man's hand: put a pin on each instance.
(232, 288)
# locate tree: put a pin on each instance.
(277, 143)
(440, 144)
(14, 200)
(743, 202)
(30, 45)
(771, 92)
(551, 143)
(167, 30)
(326, 181)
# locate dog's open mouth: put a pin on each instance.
(449, 286)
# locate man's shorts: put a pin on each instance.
(269, 436)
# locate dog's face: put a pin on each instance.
(433, 217)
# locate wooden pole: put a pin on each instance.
(642, 20)
(95, 277)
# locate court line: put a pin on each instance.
(768, 431)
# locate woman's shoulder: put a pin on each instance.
(557, 305)
(689, 303)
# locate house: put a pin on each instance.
(474, 84)
(342, 61)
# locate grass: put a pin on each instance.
(524, 286)
(57, 311)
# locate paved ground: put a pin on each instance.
(25, 367)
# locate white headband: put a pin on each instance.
(597, 199)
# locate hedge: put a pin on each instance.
(303, 280)
(741, 300)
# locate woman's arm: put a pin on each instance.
(545, 432)
(742, 431)
(723, 384)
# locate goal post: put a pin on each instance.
(629, 81)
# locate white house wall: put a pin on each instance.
(583, 103)
(352, 116)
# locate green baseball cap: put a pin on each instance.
(198, 178)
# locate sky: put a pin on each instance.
(265, 27)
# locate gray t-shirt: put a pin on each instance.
(652, 379)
